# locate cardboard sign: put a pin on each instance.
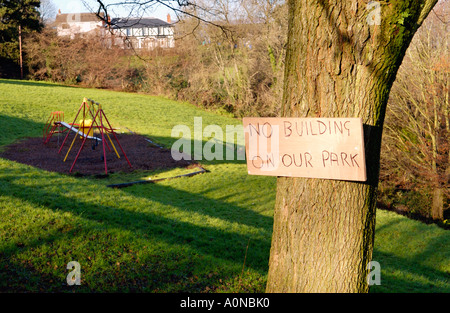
(328, 148)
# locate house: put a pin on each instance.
(142, 33)
(137, 33)
(77, 24)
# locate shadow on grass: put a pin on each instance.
(400, 275)
(412, 274)
(210, 243)
(13, 129)
(174, 267)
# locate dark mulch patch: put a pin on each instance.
(142, 155)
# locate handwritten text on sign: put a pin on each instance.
(329, 148)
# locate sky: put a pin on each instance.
(77, 6)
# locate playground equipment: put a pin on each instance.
(84, 130)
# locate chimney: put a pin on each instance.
(169, 20)
(59, 11)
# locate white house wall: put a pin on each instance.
(73, 28)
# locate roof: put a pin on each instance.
(137, 22)
(77, 17)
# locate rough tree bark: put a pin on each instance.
(339, 63)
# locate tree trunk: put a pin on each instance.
(339, 63)
(437, 207)
(20, 52)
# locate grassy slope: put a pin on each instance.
(189, 234)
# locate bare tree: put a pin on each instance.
(47, 11)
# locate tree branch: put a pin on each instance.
(428, 6)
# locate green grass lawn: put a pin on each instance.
(207, 233)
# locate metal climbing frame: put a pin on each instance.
(90, 108)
